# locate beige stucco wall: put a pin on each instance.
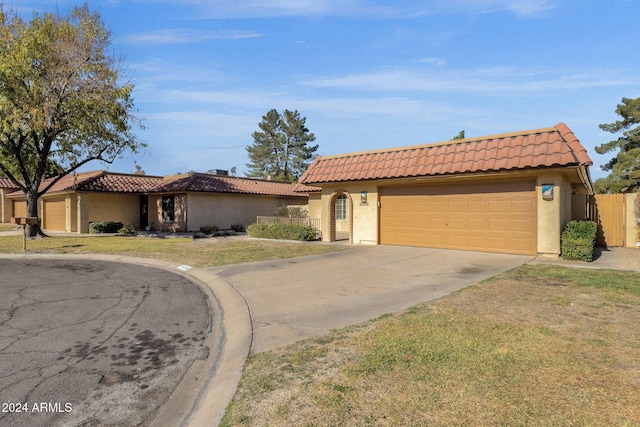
(364, 216)
(314, 205)
(5, 215)
(124, 208)
(223, 210)
(554, 214)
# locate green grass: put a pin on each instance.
(8, 227)
(197, 253)
(538, 345)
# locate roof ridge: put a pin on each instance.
(578, 150)
(438, 144)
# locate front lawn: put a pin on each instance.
(535, 346)
(197, 253)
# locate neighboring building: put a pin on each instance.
(179, 202)
(503, 193)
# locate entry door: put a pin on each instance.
(144, 211)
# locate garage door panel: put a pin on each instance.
(497, 217)
(523, 225)
(498, 205)
(19, 208)
(524, 206)
(54, 214)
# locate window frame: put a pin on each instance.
(341, 207)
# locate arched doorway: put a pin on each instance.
(341, 217)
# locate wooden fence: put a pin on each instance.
(608, 211)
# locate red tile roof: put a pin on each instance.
(118, 183)
(124, 183)
(225, 184)
(7, 183)
(110, 182)
(548, 147)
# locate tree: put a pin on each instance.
(460, 135)
(625, 166)
(61, 99)
(280, 150)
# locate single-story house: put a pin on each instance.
(506, 193)
(178, 202)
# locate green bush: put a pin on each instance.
(291, 211)
(209, 229)
(105, 227)
(579, 240)
(128, 230)
(282, 231)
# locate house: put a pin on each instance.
(507, 193)
(178, 202)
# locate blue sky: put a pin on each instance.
(366, 74)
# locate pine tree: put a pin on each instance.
(281, 149)
(625, 166)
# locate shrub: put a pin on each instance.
(128, 230)
(209, 229)
(282, 231)
(238, 228)
(105, 227)
(579, 240)
(291, 211)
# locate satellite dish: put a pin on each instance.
(233, 170)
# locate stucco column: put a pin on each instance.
(550, 215)
(327, 223)
(83, 213)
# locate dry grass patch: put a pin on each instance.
(197, 253)
(538, 345)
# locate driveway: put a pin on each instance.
(299, 298)
(94, 342)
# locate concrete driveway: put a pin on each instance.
(299, 298)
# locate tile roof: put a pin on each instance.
(548, 147)
(7, 183)
(111, 182)
(303, 188)
(198, 182)
(118, 183)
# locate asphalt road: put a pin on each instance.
(94, 343)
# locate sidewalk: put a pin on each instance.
(612, 258)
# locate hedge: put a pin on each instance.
(105, 227)
(579, 240)
(282, 231)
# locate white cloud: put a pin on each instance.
(495, 81)
(182, 36)
(361, 8)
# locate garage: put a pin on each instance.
(480, 216)
(19, 208)
(54, 214)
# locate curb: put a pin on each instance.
(210, 382)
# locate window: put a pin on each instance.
(341, 207)
(168, 211)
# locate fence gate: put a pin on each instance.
(609, 211)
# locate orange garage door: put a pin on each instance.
(491, 216)
(19, 208)
(54, 214)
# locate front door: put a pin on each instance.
(144, 211)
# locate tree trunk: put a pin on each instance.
(32, 210)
